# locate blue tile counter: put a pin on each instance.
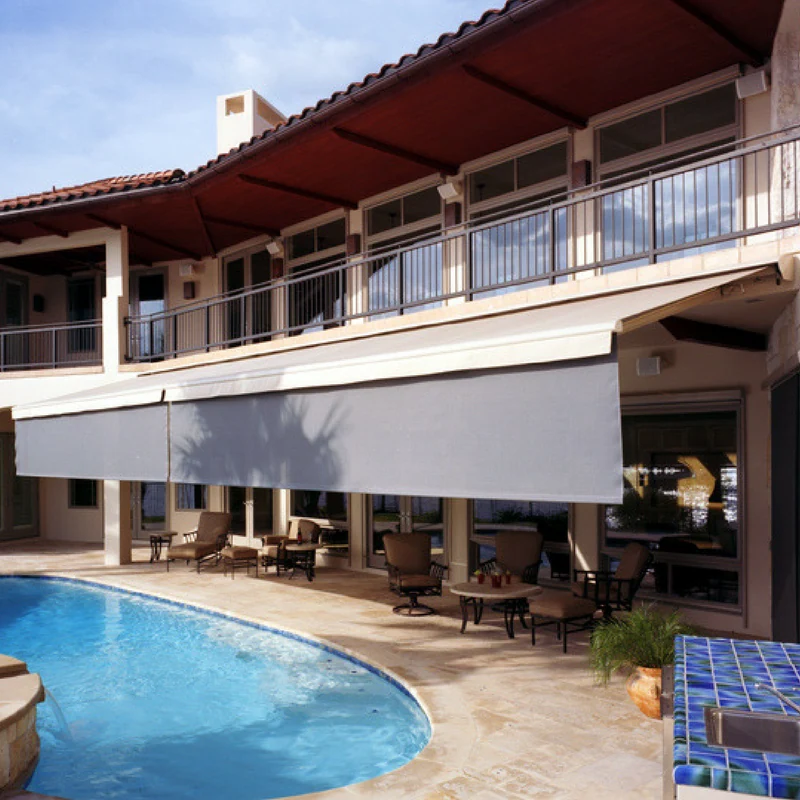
(721, 672)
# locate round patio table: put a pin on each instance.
(304, 556)
(512, 597)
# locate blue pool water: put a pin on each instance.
(162, 701)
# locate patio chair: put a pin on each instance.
(412, 572)
(518, 552)
(273, 552)
(595, 594)
(205, 542)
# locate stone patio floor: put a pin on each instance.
(509, 720)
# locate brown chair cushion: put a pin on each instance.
(212, 524)
(410, 553)
(239, 551)
(192, 550)
(309, 530)
(271, 550)
(632, 562)
(561, 605)
(515, 550)
(417, 581)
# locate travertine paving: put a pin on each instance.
(509, 720)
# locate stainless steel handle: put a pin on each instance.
(780, 695)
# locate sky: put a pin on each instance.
(98, 88)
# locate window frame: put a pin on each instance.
(71, 493)
(700, 402)
(195, 486)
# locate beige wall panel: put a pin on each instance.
(59, 522)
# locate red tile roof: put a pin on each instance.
(100, 187)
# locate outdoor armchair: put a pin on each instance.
(204, 542)
(518, 552)
(595, 594)
(412, 573)
(273, 552)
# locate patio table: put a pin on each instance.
(512, 597)
(303, 556)
(157, 540)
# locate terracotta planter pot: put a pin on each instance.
(644, 687)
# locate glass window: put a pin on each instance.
(681, 497)
(492, 182)
(630, 136)
(319, 505)
(421, 205)
(332, 234)
(385, 217)
(542, 165)
(701, 113)
(302, 244)
(82, 493)
(262, 510)
(237, 509)
(191, 497)
(260, 267)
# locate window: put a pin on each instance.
(317, 240)
(262, 510)
(405, 281)
(684, 208)
(550, 519)
(525, 250)
(249, 318)
(673, 122)
(82, 493)
(317, 299)
(319, 505)
(191, 497)
(681, 497)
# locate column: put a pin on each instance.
(115, 301)
(117, 522)
(280, 512)
(357, 272)
(454, 248)
(585, 536)
(459, 524)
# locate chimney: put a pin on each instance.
(242, 115)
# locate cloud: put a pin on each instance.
(117, 88)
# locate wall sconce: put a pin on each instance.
(450, 190)
(189, 290)
(274, 248)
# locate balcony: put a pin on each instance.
(722, 197)
(34, 347)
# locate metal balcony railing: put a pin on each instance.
(72, 344)
(700, 202)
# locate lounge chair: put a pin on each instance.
(595, 594)
(412, 573)
(205, 542)
(518, 552)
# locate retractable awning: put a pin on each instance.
(524, 405)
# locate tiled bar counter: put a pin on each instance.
(722, 672)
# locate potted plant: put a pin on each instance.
(642, 642)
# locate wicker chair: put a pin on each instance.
(595, 594)
(412, 573)
(205, 541)
(518, 552)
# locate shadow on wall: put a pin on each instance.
(277, 441)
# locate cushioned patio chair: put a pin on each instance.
(273, 553)
(518, 552)
(595, 594)
(205, 542)
(412, 572)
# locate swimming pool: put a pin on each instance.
(164, 701)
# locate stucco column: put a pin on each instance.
(115, 301)
(280, 511)
(586, 536)
(360, 539)
(117, 522)
(459, 523)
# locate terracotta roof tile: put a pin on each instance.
(93, 188)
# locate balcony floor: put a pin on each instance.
(510, 721)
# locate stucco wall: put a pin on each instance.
(60, 522)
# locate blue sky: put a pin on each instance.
(95, 88)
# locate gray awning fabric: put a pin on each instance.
(523, 405)
(546, 433)
(125, 444)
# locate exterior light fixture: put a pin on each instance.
(449, 190)
(274, 248)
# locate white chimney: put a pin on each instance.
(242, 115)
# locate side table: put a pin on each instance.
(157, 539)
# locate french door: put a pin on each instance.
(148, 508)
(393, 513)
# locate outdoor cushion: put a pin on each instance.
(239, 551)
(561, 605)
(419, 581)
(271, 550)
(515, 550)
(410, 553)
(192, 550)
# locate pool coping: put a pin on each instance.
(306, 638)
